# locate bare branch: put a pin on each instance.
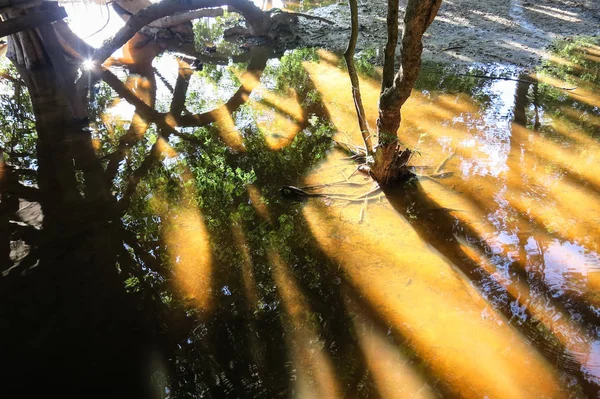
(181, 87)
(150, 261)
(71, 43)
(180, 18)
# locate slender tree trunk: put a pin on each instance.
(390, 46)
(349, 57)
(390, 159)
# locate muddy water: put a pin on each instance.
(186, 273)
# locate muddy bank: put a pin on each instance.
(491, 31)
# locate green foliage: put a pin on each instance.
(575, 70)
(289, 72)
(386, 138)
(101, 97)
(209, 87)
(579, 66)
(209, 31)
(451, 79)
(364, 62)
(18, 136)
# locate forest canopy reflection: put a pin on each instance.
(151, 252)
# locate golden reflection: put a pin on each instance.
(188, 245)
(334, 86)
(247, 267)
(432, 305)
(259, 202)
(281, 117)
(512, 187)
(391, 370)
(579, 93)
(315, 373)
(226, 125)
(139, 51)
(187, 240)
(164, 148)
(228, 131)
(572, 131)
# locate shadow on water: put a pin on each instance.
(151, 255)
(444, 232)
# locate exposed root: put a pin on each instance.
(299, 194)
(391, 164)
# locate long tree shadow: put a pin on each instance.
(438, 227)
(240, 330)
(572, 301)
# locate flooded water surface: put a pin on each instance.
(151, 253)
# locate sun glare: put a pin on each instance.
(88, 65)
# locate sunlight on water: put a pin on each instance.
(491, 193)
(478, 279)
(483, 276)
(187, 241)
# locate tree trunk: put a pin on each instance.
(391, 160)
(74, 297)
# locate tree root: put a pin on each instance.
(295, 193)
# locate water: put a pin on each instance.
(160, 259)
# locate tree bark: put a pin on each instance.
(417, 18)
(390, 160)
(35, 17)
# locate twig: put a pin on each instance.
(451, 48)
(444, 162)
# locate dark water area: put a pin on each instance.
(150, 253)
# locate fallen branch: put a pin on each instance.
(126, 9)
(249, 11)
